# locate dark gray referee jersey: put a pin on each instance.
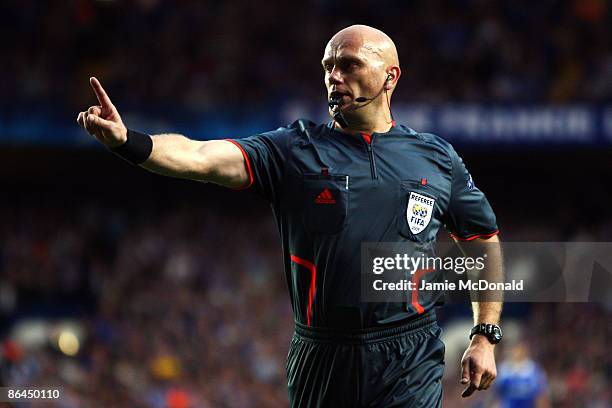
(331, 191)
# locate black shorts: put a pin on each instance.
(400, 366)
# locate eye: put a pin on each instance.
(328, 67)
(349, 66)
(355, 65)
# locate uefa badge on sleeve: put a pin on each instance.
(419, 212)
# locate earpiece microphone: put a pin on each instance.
(364, 99)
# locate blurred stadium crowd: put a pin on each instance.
(177, 312)
(171, 315)
(205, 54)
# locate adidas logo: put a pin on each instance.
(325, 197)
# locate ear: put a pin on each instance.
(392, 78)
(389, 82)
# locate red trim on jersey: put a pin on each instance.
(248, 163)
(367, 138)
(313, 283)
(473, 237)
(416, 278)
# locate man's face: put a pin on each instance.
(352, 69)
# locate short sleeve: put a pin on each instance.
(264, 156)
(469, 214)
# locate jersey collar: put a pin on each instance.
(395, 130)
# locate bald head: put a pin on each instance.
(361, 69)
(370, 41)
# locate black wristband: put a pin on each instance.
(136, 149)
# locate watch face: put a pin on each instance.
(497, 334)
(491, 331)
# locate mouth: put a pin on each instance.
(337, 95)
(337, 98)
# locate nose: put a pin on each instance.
(335, 76)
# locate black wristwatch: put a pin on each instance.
(492, 332)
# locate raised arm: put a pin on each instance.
(173, 155)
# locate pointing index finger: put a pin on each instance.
(100, 93)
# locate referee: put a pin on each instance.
(333, 186)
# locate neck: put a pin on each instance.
(372, 119)
(382, 125)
